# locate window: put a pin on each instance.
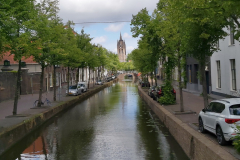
(65, 75)
(233, 72)
(217, 44)
(6, 63)
(235, 109)
(232, 35)
(218, 75)
(57, 78)
(50, 79)
(210, 106)
(218, 107)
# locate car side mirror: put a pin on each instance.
(204, 110)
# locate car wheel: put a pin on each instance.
(201, 126)
(220, 137)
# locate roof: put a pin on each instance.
(229, 101)
(10, 57)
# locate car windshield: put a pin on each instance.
(80, 85)
(72, 87)
(235, 109)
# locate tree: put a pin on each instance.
(83, 43)
(46, 28)
(17, 34)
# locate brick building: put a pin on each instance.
(30, 77)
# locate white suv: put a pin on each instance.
(221, 118)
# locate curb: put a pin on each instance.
(13, 134)
(194, 144)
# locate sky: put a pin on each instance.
(105, 34)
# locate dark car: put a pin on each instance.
(158, 92)
(151, 90)
(109, 79)
(144, 84)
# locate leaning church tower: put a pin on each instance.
(121, 49)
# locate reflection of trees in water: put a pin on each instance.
(148, 139)
(155, 137)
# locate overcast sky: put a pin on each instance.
(105, 34)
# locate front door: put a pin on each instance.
(207, 81)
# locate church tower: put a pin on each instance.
(121, 49)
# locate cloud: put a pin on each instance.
(126, 35)
(104, 10)
(99, 40)
(114, 27)
(129, 49)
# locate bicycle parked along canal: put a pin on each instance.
(35, 104)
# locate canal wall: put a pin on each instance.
(12, 135)
(194, 144)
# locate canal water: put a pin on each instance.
(114, 124)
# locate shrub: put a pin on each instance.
(236, 141)
(168, 97)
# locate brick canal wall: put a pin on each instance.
(14, 134)
(194, 144)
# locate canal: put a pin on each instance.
(113, 124)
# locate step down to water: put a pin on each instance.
(185, 112)
(18, 115)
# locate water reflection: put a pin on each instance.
(113, 124)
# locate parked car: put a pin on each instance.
(220, 118)
(151, 90)
(145, 84)
(109, 79)
(74, 90)
(158, 92)
(99, 82)
(83, 86)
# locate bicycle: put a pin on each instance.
(35, 104)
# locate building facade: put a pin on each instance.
(225, 64)
(121, 50)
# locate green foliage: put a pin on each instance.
(236, 141)
(168, 97)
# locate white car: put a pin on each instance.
(221, 118)
(83, 86)
(73, 90)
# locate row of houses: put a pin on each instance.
(30, 77)
(222, 76)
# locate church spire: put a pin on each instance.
(120, 36)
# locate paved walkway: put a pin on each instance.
(25, 105)
(193, 102)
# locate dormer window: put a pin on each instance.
(6, 63)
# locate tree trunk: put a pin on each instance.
(102, 76)
(89, 77)
(94, 78)
(78, 75)
(82, 74)
(152, 78)
(68, 81)
(98, 73)
(86, 74)
(180, 83)
(155, 77)
(41, 87)
(17, 91)
(54, 83)
(204, 84)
